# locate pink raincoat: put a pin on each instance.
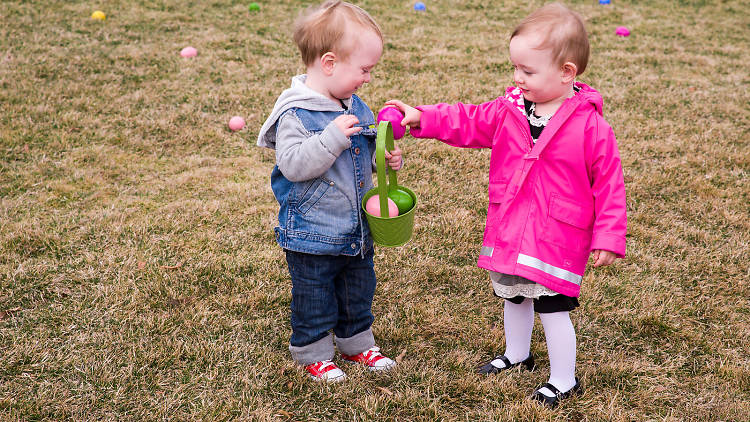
(552, 203)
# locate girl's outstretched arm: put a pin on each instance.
(460, 125)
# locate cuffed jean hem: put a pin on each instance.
(314, 352)
(357, 343)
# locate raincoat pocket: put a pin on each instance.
(496, 191)
(569, 224)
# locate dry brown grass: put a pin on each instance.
(139, 277)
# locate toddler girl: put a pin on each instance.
(556, 189)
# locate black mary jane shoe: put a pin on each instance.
(552, 402)
(489, 368)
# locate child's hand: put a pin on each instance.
(603, 258)
(394, 158)
(346, 123)
(412, 116)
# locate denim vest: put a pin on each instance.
(323, 216)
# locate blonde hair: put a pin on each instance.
(565, 34)
(323, 28)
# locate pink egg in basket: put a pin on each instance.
(373, 206)
(393, 115)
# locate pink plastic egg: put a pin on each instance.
(372, 206)
(622, 31)
(393, 115)
(236, 123)
(188, 52)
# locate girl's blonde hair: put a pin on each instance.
(565, 34)
(323, 28)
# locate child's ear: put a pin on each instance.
(328, 62)
(569, 71)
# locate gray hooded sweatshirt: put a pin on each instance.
(300, 155)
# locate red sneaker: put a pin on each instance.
(325, 370)
(372, 359)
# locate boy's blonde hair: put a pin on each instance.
(565, 34)
(323, 28)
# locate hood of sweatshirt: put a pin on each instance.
(298, 95)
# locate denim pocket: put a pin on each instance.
(368, 132)
(312, 194)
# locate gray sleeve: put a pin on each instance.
(302, 156)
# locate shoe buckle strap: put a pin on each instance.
(552, 388)
(503, 359)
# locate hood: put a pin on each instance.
(297, 95)
(585, 93)
(591, 95)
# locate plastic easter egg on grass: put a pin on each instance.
(98, 15)
(393, 115)
(419, 6)
(188, 52)
(373, 206)
(254, 7)
(622, 31)
(403, 200)
(236, 123)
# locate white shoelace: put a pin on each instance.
(325, 364)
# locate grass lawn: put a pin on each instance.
(139, 275)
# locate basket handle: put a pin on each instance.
(383, 141)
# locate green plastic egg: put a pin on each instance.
(403, 200)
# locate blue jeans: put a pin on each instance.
(330, 293)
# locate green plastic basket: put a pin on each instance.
(388, 231)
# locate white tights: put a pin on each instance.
(561, 341)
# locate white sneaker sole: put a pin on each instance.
(382, 367)
(329, 379)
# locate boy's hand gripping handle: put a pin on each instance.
(383, 141)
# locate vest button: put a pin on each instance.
(361, 184)
(354, 246)
(330, 183)
(356, 150)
